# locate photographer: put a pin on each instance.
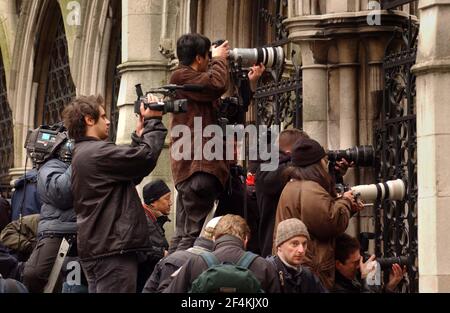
(57, 220)
(310, 196)
(349, 262)
(112, 226)
(199, 181)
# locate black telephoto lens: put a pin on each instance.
(386, 263)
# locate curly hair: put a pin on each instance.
(74, 113)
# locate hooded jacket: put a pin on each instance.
(53, 186)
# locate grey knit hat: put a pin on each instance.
(290, 228)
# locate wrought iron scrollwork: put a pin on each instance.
(279, 100)
(396, 145)
(276, 21)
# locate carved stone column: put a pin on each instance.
(433, 136)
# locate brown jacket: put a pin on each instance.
(110, 217)
(204, 105)
(325, 217)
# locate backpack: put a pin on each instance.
(25, 192)
(227, 277)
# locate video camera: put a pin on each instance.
(46, 142)
(169, 105)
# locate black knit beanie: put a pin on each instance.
(306, 152)
(154, 190)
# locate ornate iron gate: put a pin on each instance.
(396, 145)
(278, 97)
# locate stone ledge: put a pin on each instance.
(433, 66)
(134, 66)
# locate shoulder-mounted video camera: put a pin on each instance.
(46, 142)
(169, 104)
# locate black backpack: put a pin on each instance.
(227, 277)
(25, 199)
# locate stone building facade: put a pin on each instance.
(52, 50)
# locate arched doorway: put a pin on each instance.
(52, 70)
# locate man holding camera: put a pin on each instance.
(349, 261)
(57, 217)
(112, 227)
(199, 181)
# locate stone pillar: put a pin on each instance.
(348, 108)
(315, 90)
(433, 136)
(142, 34)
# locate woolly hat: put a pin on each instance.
(154, 190)
(290, 228)
(306, 152)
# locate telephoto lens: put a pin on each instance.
(386, 263)
(269, 56)
(394, 190)
(360, 155)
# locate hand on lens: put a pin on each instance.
(342, 166)
(256, 71)
(395, 276)
(220, 51)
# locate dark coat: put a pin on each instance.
(344, 285)
(227, 249)
(110, 217)
(160, 277)
(53, 186)
(157, 237)
(269, 185)
(296, 281)
(204, 105)
(5, 213)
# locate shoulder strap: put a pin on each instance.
(246, 259)
(209, 258)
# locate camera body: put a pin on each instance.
(46, 142)
(170, 105)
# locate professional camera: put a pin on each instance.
(385, 263)
(169, 105)
(394, 190)
(360, 155)
(247, 57)
(46, 142)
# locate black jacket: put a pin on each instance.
(269, 186)
(53, 186)
(296, 281)
(109, 212)
(344, 285)
(227, 249)
(160, 277)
